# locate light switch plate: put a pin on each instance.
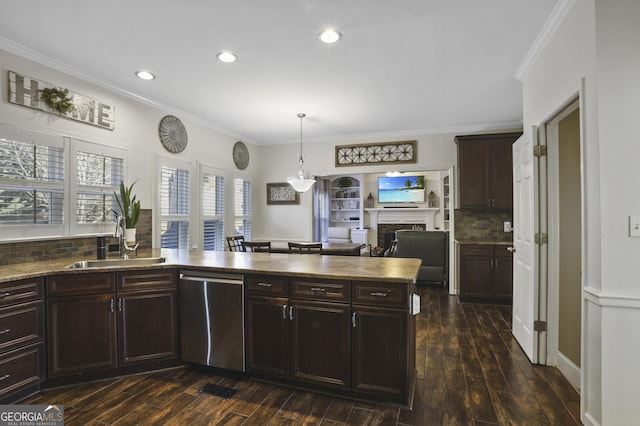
(634, 226)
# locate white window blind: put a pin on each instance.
(174, 207)
(98, 176)
(242, 207)
(212, 202)
(31, 181)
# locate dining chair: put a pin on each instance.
(235, 243)
(305, 248)
(256, 246)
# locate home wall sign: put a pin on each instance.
(282, 193)
(25, 91)
(376, 153)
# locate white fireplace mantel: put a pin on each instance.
(402, 215)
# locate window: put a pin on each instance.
(31, 183)
(242, 207)
(174, 206)
(98, 171)
(212, 201)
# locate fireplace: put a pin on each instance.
(385, 221)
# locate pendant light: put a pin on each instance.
(301, 184)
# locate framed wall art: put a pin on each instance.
(282, 193)
(376, 153)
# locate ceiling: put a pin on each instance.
(402, 67)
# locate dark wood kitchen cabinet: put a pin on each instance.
(329, 334)
(22, 338)
(380, 326)
(147, 316)
(302, 337)
(105, 320)
(485, 170)
(486, 273)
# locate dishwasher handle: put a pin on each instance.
(210, 279)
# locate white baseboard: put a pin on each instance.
(569, 370)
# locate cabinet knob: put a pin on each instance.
(284, 312)
(267, 285)
(5, 331)
(353, 320)
(5, 294)
(6, 376)
(511, 249)
(291, 313)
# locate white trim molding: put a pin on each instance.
(611, 300)
(550, 27)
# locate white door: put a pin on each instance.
(525, 257)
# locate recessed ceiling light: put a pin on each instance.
(330, 36)
(226, 57)
(145, 75)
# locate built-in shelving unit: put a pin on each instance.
(446, 200)
(346, 201)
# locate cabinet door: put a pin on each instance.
(473, 163)
(503, 269)
(147, 327)
(476, 273)
(320, 342)
(380, 351)
(267, 335)
(501, 175)
(81, 334)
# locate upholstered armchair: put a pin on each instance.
(432, 247)
(338, 234)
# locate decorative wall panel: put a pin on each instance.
(376, 153)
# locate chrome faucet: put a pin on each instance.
(122, 243)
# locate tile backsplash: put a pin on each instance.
(33, 251)
(480, 225)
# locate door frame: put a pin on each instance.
(551, 133)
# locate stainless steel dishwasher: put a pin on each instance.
(212, 319)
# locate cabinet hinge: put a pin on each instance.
(539, 326)
(539, 150)
(541, 238)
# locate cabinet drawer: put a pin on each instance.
(267, 285)
(380, 293)
(476, 250)
(148, 280)
(21, 368)
(21, 324)
(21, 291)
(82, 283)
(319, 289)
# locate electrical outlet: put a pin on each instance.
(634, 226)
(114, 247)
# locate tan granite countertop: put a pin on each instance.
(314, 266)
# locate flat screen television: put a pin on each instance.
(401, 189)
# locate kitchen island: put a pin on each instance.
(335, 324)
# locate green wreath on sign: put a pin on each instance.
(58, 100)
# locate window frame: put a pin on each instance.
(158, 217)
(201, 216)
(78, 145)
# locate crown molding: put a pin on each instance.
(548, 30)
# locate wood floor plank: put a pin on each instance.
(339, 410)
(480, 400)
(305, 407)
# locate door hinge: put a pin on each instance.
(539, 150)
(539, 326)
(541, 238)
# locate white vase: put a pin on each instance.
(130, 237)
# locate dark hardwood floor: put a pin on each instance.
(470, 371)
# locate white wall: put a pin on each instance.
(594, 53)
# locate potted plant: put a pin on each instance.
(344, 183)
(129, 209)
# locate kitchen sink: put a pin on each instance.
(136, 261)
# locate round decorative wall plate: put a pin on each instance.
(240, 155)
(172, 134)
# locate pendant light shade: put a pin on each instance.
(301, 184)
